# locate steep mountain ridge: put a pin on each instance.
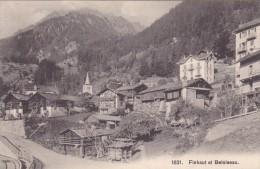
(49, 37)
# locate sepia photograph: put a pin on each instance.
(130, 84)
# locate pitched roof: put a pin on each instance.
(157, 88)
(193, 81)
(120, 145)
(49, 96)
(83, 132)
(130, 87)
(175, 86)
(113, 90)
(107, 117)
(199, 56)
(248, 25)
(249, 56)
(179, 85)
(70, 98)
(21, 97)
(152, 96)
(114, 85)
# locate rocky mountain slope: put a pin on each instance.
(109, 47)
(51, 37)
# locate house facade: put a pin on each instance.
(247, 43)
(52, 105)
(107, 121)
(81, 142)
(111, 101)
(162, 98)
(248, 60)
(194, 91)
(16, 105)
(151, 100)
(132, 91)
(198, 66)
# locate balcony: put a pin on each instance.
(241, 49)
(251, 36)
(251, 76)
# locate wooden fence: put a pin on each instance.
(236, 116)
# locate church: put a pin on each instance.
(87, 89)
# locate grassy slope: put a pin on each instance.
(240, 135)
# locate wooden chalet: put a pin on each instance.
(161, 98)
(132, 91)
(152, 99)
(16, 104)
(111, 101)
(195, 91)
(121, 149)
(83, 142)
(52, 105)
(107, 121)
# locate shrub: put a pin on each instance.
(136, 125)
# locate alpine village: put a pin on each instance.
(82, 84)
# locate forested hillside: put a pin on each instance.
(188, 28)
(110, 49)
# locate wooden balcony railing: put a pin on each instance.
(63, 140)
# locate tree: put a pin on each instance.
(136, 124)
(47, 71)
(3, 87)
(145, 69)
(229, 103)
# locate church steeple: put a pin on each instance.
(87, 87)
(87, 82)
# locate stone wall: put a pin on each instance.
(13, 126)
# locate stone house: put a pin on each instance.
(198, 66)
(248, 60)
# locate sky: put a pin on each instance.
(15, 15)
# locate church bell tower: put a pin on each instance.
(87, 87)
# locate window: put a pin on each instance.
(244, 33)
(176, 94)
(191, 59)
(255, 29)
(250, 69)
(240, 35)
(184, 70)
(210, 69)
(252, 42)
(191, 73)
(199, 68)
(169, 95)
